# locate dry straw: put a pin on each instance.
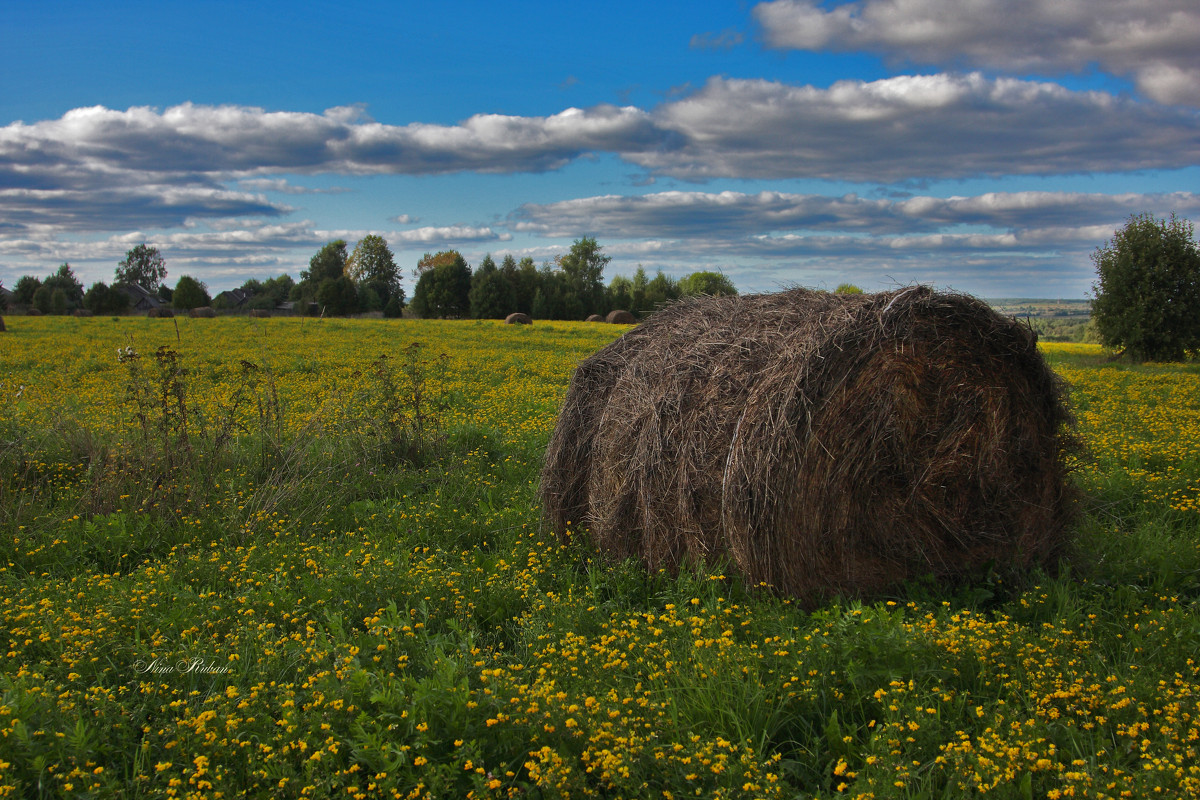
(825, 444)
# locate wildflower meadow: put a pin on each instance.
(303, 558)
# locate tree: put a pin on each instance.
(847, 288)
(103, 299)
(584, 267)
(709, 283)
(444, 290)
(661, 290)
(328, 262)
(43, 299)
(1147, 298)
(338, 296)
(143, 266)
(373, 265)
(190, 293)
(71, 288)
(23, 292)
(429, 262)
(491, 293)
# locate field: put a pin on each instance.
(303, 558)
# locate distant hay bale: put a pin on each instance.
(594, 318)
(620, 318)
(262, 313)
(204, 312)
(161, 312)
(518, 319)
(825, 444)
(33, 312)
(83, 312)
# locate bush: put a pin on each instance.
(1147, 298)
(189, 293)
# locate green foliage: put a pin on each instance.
(103, 299)
(328, 263)
(373, 265)
(706, 283)
(142, 266)
(584, 266)
(1147, 296)
(491, 294)
(43, 299)
(847, 288)
(58, 301)
(190, 293)
(23, 292)
(337, 296)
(64, 280)
(444, 291)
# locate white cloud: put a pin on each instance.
(913, 127)
(1157, 43)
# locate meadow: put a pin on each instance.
(304, 558)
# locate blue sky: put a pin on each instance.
(988, 147)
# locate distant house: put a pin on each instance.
(232, 299)
(139, 298)
(8, 296)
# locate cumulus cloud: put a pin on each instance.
(731, 215)
(935, 126)
(1156, 43)
(927, 126)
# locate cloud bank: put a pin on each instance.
(1156, 43)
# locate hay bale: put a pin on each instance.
(162, 312)
(620, 318)
(594, 318)
(33, 312)
(518, 319)
(262, 313)
(2, 328)
(83, 312)
(202, 312)
(825, 444)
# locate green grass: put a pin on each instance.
(327, 603)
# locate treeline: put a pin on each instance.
(341, 282)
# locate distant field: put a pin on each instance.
(265, 561)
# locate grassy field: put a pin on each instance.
(302, 558)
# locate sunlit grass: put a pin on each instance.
(306, 609)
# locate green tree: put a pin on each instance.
(328, 262)
(23, 292)
(584, 267)
(709, 283)
(43, 299)
(620, 293)
(1147, 296)
(373, 265)
(337, 296)
(847, 288)
(444, 290)
(190, 293)
(100, 298)
(143, 266)
(491, 293)
(661, 290)
(71, 288)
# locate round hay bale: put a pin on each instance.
(594, 318)
(620, 317)
(83, 312)
(2, 328)
(160, 313)
(33, 312)
(825, 444)
(202, 312)
(518, 319)
(260, 312)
